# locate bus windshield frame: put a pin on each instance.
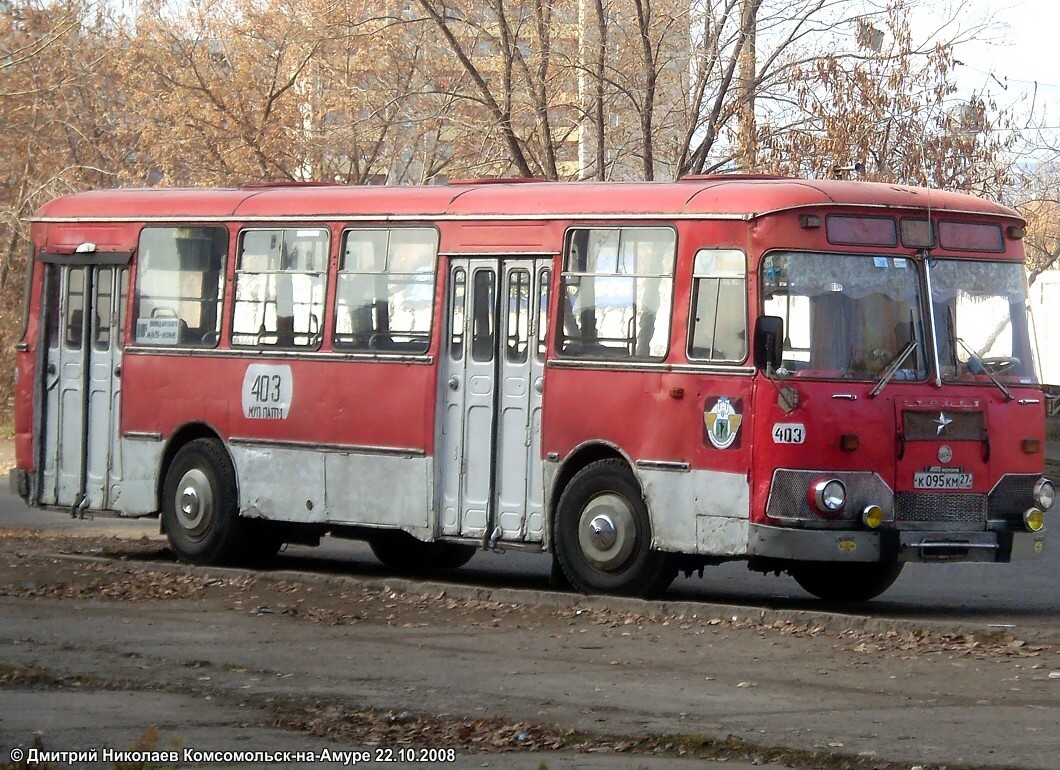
(847, 316)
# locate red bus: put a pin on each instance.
(828, 378)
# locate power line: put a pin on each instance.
(1004, 80)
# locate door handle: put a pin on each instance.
(454, 383)
(117, 371)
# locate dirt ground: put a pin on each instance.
(7, 456)
(107, 637)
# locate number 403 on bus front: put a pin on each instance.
(789, 433)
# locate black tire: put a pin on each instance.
(846, 582)
(603, 534)
(200, 504)
(402, 552)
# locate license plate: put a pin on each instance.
(942, 480)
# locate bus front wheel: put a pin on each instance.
(846, 582)
(200, 504)
(603, 534)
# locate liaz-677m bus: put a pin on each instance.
(825, 378)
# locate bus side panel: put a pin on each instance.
(345, 429)
(696, 488)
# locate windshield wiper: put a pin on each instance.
(985, 369)
(974, 356)
(895, 363)
(893, 367)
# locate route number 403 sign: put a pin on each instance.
(789, 433)
(267, 392)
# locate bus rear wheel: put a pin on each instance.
(846, 582)
(402, 552)
(603, 534)
(200, 504)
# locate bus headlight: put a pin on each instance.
(1044, 494)
(828, 496)
(1033, 520)
(872, 516)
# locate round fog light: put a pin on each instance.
(872, 516)
(1033, 520)
(1044, 494)
(828, 495)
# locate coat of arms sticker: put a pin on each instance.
(721, 419)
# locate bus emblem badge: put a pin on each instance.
(722, 422)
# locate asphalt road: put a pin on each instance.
(1016, 595)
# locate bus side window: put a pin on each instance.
(517, 335)
(75, 308)
(483, 318)
(544, 281)
(719, 306)
(384, 298)
(457, 314)
(179, 286)
(616, 286)
(280, 286)
(104, 309)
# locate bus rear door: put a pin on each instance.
(80, 446)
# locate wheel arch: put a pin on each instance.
(181, 437)
(581, 456)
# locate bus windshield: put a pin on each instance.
(846, 316)
(981, 321)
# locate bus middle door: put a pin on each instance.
(491, 470)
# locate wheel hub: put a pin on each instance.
(602, 532)
(189, 502)
(194, 503)
(607, 532)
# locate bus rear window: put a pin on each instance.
(179, 283)
(861, 231)
(971, 236)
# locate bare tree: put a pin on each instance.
(890, 110)
(57, 125)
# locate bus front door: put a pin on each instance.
(490, 469)
(81, 458)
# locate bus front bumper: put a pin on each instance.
(892, 545)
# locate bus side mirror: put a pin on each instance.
(769, 342)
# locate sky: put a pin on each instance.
(1016, 60)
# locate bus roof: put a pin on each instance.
(721, 196)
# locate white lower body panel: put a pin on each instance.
(698, 511)
(137, 493)
(308, 486)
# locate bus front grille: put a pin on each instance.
(1012, 496)
(787, 496)
(940, 507)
